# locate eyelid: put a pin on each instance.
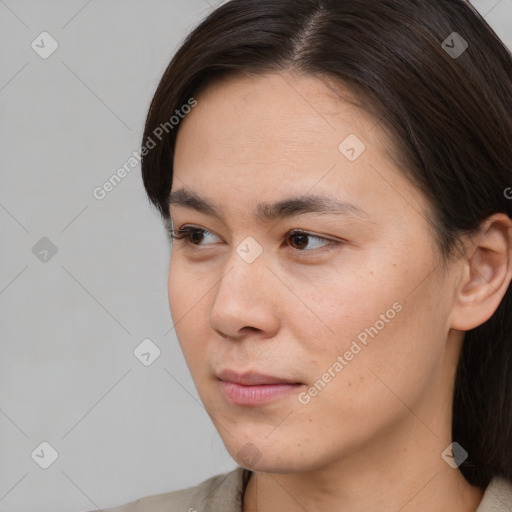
(184, 230)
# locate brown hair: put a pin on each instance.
(447, 109)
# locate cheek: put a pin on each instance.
(185, 303)
(185, 292)
(389, 361)
(379, 328)
(173, 289)
(341, 304)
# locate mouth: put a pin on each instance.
(252, 389)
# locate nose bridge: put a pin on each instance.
(244, 296)
(246, 267)
(242, 280)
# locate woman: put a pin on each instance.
(335, 176)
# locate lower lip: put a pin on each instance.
(255, 395)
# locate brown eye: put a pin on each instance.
(299, 240)
(190, 235)
(196, 235)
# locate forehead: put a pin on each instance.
(286, 133)
(280, 120)
(284, 104)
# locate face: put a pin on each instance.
(308, 325)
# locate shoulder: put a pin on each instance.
(497, 496)
(220, 493)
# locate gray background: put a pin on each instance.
(70, 321)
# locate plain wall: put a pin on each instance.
(71, 319)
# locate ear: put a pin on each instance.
(485, 274)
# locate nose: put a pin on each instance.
(246, 300)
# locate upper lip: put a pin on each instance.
(251, 378)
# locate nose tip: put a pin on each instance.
(244, 299)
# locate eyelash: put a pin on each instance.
(184, 232)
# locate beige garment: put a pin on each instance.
(220, 493)
(224, 493)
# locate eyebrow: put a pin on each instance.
(266, 212)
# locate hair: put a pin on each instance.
(449, 117)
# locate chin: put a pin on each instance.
(279, 463)
(258, 453)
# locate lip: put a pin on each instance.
(252, 378)
(253, 388)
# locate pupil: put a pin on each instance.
(301, 237)
(196, 236)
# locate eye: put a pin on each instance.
(301, 238)
(297, 239)
(189, 234)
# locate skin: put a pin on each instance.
(382, 422)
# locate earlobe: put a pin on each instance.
(486, 273)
